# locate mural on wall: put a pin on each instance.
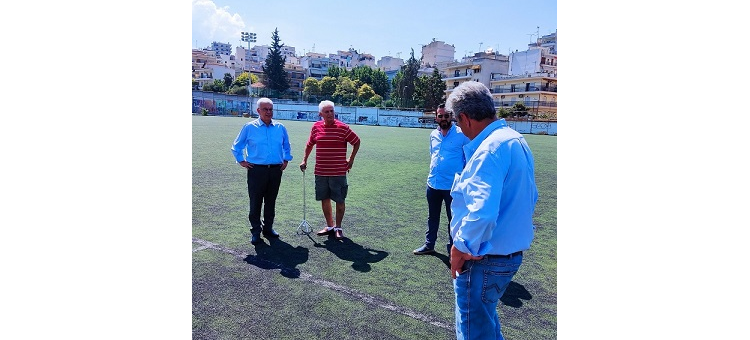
(220, 106)
(345, 117)
(227, 105)
(547, 128)
(302, 115)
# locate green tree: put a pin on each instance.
(375, 100)
(195, 84)
(376, 78)
(311, 87)
(519, 110)
(396, 82)
(430, 91)
(216, 86)
(503, 112)
(410, 79)
(328, 86)
(242, 80)
(362, 73)
(364, 93)
(275, 78)
(380, 82)
(346, 91)
(228, 79)
(404, 85)
(239, 85)
(338, 72)
(238, 90)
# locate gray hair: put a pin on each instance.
(324, 104)
(263, 100)
(472, 99)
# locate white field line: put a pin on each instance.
(369, 299)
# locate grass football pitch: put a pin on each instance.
(368, 286)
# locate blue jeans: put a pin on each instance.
(478, 290)
(435, 199)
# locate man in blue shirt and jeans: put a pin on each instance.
(493, 205)
(446, 160)
(262, 147)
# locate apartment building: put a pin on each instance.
(221, 48)
(351, 58)
(438, 54)
(528, 76)
(389, 63)
(478, 68)
(297, 76)
(315, 64)
(533, 61)
(203, 63)
(537, 92)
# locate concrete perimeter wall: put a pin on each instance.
(230, 105)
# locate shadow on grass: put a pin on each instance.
(279, 255)
(514, 294)
(446, 260)
(347, 250)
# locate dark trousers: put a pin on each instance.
(435, 200)
(262, 187)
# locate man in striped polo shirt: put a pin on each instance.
(331, 164)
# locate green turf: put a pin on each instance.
(310, 287)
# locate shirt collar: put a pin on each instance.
(473, 145)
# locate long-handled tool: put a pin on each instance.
(304, 227)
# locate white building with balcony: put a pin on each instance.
(480, 69)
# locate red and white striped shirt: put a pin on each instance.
(330, 153)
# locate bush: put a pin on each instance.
(204, 111)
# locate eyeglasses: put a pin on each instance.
(444, 116)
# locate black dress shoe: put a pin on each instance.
(255, 239)
(270, 234)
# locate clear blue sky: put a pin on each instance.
(380, 28)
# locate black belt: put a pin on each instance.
(267, 165)
(504, 256)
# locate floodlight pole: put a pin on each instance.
(248, 37)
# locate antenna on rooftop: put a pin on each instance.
(480, 46)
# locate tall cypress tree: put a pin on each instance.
(275, 77)
(404, 82)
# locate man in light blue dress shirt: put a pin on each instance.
(493, 205)
(446, 160)
(262, 147)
